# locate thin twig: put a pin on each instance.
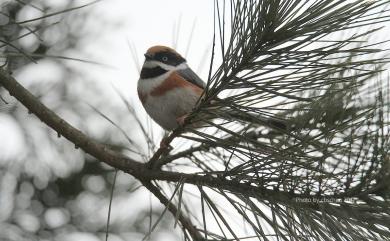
(110, 205)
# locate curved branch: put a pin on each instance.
(99, 151)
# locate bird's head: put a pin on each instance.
(164, 57)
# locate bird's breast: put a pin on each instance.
(171, 98)
(174, 81)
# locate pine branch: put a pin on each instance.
(141, 171)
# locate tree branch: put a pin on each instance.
(142, 171)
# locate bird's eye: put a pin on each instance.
(165, 59)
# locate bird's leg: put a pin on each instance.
(180, 120)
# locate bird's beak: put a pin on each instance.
(148, 56)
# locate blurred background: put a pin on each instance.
(84, 64)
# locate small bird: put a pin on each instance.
(169, 90)
(167, 87)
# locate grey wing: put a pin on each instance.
(192, 77)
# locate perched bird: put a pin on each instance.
(168, 88)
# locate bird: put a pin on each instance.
(168, 88)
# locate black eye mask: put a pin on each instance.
(169, 58)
